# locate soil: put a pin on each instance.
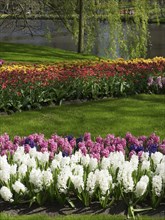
(95, 208)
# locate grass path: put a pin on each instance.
(75, 217)
(140, 114)
(38, 54)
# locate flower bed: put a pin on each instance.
(27, 86)
(110, 169)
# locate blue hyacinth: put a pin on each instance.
(30, 142)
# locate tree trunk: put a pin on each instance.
(81, 27)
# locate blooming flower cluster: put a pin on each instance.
(29, 86)
(1, 62)
(68, 145)
(32, 177)
(157, 83)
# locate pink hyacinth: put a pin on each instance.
(8, 145)
(159, 81)
(17, 140)
(162, 148)
(112, 148)
(51, 155)
(142, 138)
(60, 141)
(153, 139)
(96, 148)
(95, 155)
(27, 148)
(150, 81)
(163, 81)
(132, 153)
(83, 150)
(4, 152)
(99, 139)
(87, 136)
(73, 143)
(52, 145)
(89, 143)
(119, 147)
(105, 152)
(140, 154)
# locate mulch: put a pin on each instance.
(56, 210)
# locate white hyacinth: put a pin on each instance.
(19, 187)
(6, 194)
(141, 186)
(38, 156)
(55, 165)
(22, 170)
(33, 152)
(13, 169)
(47, 177)
(85, 160)
(58, 156)
(31, 163)
(45, 157)
(5, 175)
(91, 182)
(160, 170)
(157, 185)
(75, 158)
(63, 178)
(77, 170)
(78, 182)
(116, 160)
(104, 181)
(163, 159)
(25, 159)
(19, 155)
(93, 164)
(65, 161)
(157, 157)
(125, 177)
(77, 176)
(36, 179)
(105, 163)
(3, 162)
(145, 165)
(134, 162)
(144, 156)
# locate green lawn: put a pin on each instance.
(74, 217)
(140, 114)
(38, 54)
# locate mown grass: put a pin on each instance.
(139, 114)
(73, 217)
(38, 54)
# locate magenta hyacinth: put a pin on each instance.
(101, 147)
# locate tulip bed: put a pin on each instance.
(32, 86)
(34, 169)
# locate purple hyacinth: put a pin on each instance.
(29, 142)
(152, 148)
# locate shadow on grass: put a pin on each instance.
(155, 98)
(118, 116)
(31, 53)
